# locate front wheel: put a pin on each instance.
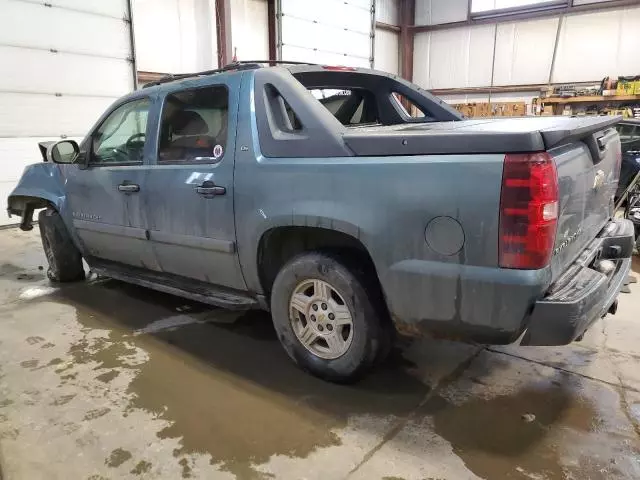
(65, 261)
(325, 317)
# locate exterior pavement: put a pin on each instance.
(103, 380)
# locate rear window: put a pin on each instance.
(194, 126)
(355, 106)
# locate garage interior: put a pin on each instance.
(102, 380)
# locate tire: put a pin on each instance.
(65, 260)
(346, 285)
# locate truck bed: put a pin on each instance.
(491, 135)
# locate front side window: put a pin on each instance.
(194, 126)
(121, 137)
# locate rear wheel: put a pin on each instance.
(65, 260)
(325, 317)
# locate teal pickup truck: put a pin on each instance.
(347, 202)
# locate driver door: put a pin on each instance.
(105, 197)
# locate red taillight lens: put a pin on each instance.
(528, 210)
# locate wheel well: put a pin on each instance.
(279, 245)
(24, 206)
(19, 202)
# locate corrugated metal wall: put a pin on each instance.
(387, 52)
(387, 43)
(591, 46)
(387, 11)
(437, 12)
(595, 45)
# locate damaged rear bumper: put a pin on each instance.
(586, 291)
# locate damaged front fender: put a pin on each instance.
(41, 185)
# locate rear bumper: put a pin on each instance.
(583, 294)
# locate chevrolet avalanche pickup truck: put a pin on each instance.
(345, 201)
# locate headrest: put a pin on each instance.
(185, 122)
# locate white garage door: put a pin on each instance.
(329, 32)
(61, 64)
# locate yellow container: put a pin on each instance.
(625, 87)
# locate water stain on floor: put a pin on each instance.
(227, 389)
(520, 435)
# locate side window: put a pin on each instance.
(349, 106)
(629, 133)
(121, 137)
(406, 106)
(194, 126)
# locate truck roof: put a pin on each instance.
(242, 65)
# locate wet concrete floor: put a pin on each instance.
(103, 380)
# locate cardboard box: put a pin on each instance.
(547, 110)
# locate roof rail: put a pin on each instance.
(237, 65)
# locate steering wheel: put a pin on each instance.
(133, 139)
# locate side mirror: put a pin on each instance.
(64, 151)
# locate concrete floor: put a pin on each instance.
(102, 380)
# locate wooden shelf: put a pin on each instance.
(591, 98)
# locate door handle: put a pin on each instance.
(210, 189)
(128, 187)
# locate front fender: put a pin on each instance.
(41, 184)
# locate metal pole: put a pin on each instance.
(279, 29)
(223, 31)
(132, 39)
(372, 35)
(555, 48)
(271, 26)
(493, 60)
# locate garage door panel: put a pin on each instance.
(330, 12)
(17, 154)
(28, 115)
(63, 30)
(112, 8)
(386, 53)
(300, 54)
(304, 33)
(331, 32)
(42, 71)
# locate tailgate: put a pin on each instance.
(588, 166)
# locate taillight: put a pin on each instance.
(528, 210)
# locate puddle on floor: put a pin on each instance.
(225, 395)
(227, 390)
(548, 429)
